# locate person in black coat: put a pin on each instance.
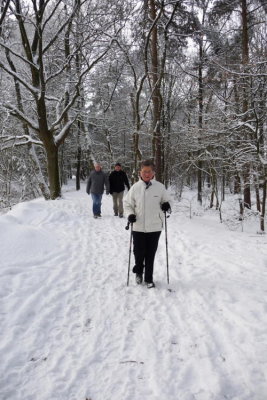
(117, 181)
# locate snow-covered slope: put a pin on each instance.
(72, 330)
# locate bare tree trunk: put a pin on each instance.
(157, 72)
(264, 195)
(34, 159)
(53, 172)
(78, 168)
(245, 102)
(156, 95)
(137, 156)
(223, 185)
(257, 190)
(237, 184)
(200, 119)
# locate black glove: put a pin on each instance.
(165, 206)
(132, 218)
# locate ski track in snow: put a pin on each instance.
(71, 329)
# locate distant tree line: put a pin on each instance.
(182, 82)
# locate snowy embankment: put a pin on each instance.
(72, 330)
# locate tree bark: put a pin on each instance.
(34, 159)
(156, 95)
(264, 195)
(245, 102)
(200, 119)
(53, 171)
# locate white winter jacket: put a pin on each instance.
(145, 201)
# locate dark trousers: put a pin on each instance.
(144, 247)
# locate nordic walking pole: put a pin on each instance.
(166, 239)
(130, 249)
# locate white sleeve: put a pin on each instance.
(129, 202)
(166, 197)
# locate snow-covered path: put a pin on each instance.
(72, 330)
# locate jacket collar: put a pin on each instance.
(148, 184)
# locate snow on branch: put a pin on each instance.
(63, 133)
(246, 124)
(63, 68)
(21, 116)
(31, 88)
(11, 141)
(242, 74)
(263, 160)
(25, 60)
(61, 28)
(76, 94)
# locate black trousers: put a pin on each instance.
(144, 247)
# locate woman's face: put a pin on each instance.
(147, 174)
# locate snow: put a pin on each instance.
(72, 330)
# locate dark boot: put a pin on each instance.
(138, 279)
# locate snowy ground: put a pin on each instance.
(72, 330)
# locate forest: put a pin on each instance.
(181, 82)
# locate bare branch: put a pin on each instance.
(32, 89)
(21, 116)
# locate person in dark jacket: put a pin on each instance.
(96, 183)
(117, 181)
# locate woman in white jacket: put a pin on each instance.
(145, 204)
